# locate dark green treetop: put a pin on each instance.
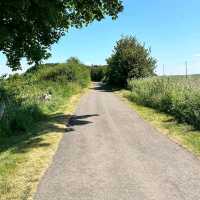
(28, 28)
(130, 59)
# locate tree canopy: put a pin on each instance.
(73, 60)
(130, 59)
(98, 72)
(28, 28)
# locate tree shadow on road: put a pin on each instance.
(80, 120)
(55, 123)
(102, 87)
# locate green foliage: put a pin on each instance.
(177, 96)
(73, 60)
(30, 96)
(29, 28)
(98, 72)
(130, 59)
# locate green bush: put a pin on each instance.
(29, 97)
(130, 59)
(177, 96)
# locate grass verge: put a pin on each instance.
(183, 134)
(24, 159)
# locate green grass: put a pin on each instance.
(24, 158)
(182, 133)
(24, 94)
(31, 127)
(174, 95)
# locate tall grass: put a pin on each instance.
(27, 98)
(177, 96)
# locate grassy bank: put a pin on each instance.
(182, 133)
(37, 106)
(176, 96)
(24, 159)
(28, 98)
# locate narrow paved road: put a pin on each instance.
(110, 153)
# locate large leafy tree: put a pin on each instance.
(29, 27)
(130, 59)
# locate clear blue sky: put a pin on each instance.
(170, 27)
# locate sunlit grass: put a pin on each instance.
(24, 159)
(174, 95)
(181, 133)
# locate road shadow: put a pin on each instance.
(102, 87)
(55, 123)
(79, 120)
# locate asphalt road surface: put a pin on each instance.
(110, 153)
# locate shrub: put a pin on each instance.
(176, 96)
(23, 95)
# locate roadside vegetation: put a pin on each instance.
(181, 133)
(131, 66)
(170, 103)
(35, 108)
(130, 60)
(177, 96)
(27, 98)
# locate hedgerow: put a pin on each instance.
(28, 98)
(179, 97)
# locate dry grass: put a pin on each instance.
(24, 162)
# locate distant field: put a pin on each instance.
(176, 95)
(192, 81)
